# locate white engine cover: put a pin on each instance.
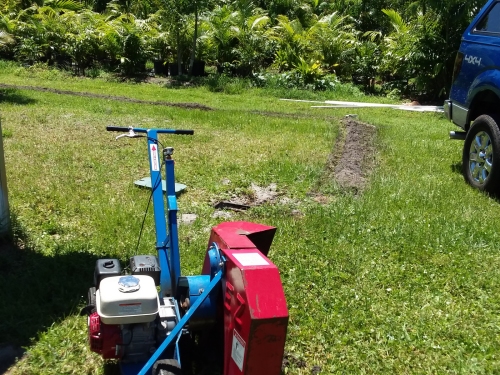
(115, 306)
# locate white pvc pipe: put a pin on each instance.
(341, 104)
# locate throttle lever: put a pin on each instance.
(130, 134)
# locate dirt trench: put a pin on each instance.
(109, 97)
(353, 156)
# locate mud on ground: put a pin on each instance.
(109, 97)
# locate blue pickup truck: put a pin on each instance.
(474, 103)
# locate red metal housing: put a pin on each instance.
(104, 339)
(254, 304)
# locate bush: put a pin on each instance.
(291, 85)
(133, 60)
(226, 84)
(296, 79)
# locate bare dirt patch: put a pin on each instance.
(353, 155)
(257, 196)
(109, 97)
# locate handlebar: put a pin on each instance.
(142, 130)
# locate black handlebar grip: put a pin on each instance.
(124, 129)
(184, 132)
(116, 129)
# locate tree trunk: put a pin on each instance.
(179, 52)
(195, 37)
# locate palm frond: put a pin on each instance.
(63, 5)
(260, 22)
(396, 20)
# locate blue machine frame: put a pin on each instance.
(167, 241)
(167, 246)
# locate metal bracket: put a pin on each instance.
(216, 260)
(180, 325)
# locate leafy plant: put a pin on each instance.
(133, 58)
(309, 72)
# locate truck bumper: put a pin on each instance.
(447, 109)
(456, 113)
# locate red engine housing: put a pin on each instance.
(104, 339)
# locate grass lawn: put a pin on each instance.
(401, 278)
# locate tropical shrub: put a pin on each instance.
(133, 57)
(309, 78)
(406, 45)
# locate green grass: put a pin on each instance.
(399, 279)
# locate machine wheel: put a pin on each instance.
(91, 296)
(481, 154)
(167, 367)
(91, 303)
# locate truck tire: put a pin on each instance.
(166, 367)
(481, 154)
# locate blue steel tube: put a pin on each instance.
(175, 261)
(162, 239)
(180, 325)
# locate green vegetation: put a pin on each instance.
(401, 278)
(402, 47)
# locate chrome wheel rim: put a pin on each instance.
(481, 158)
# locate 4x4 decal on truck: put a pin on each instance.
(473, 60)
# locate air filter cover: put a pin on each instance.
(119, 305)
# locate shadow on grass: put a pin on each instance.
(13, 96)
(36, 291)
(456, 168)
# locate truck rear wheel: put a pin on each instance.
(481, 154)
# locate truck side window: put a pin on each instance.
(490, 22)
